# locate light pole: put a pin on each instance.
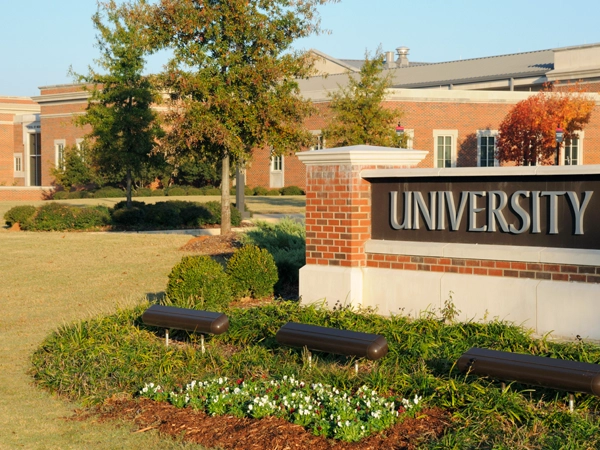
(559, 134)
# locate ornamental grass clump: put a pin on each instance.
(252, 272)
(199, 282)
(323, 409)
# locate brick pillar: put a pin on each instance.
(338, 218)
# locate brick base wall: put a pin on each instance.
(515, 269)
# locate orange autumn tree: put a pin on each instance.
(527, 133)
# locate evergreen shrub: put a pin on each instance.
(61, 195)
(90, 218)
(212, 191)
(259, 190)
(291, 190)
(109, 192)
(176, 191)
(52, 217)
(143, 192)
(252, 272)
(19, 214)
(199, 282)
(195, 191)
(215, 209)
(158, 193)
(248, 191)
(273, 192)
(129, 217)
(164, 214)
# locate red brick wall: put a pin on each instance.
(29, 193)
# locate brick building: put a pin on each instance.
(452, 108)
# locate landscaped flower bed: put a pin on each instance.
(323, 409)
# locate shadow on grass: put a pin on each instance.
(298, 201)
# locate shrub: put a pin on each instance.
(158, 193)
(215, 209)
(252, 272)
(19, 214)
(143, 192)
(134, 203)
(176, 191)
(259, 190)
(163, 213)
(286, 241)
(212, 191)
(195, 191)
(291, 190)
(61, 195)
(90, 218)
(248, 191)
(52, 217)
(109, 192)
(129, 217)
(273, 192)
(194, 214)
(200, 282)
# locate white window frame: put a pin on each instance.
(319, 141)
(454, 138)
(580, 136)
(487, 133)
(19, 169)
(59, 159)
(274, 163)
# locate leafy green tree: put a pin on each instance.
(359, 116)
(124, 127)
(76, 169)
(232, 76)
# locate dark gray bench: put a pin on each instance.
(196, 321)
(333, 340)
(571, 376)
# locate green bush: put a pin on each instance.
(158, 193)
(286, 241)
(212, 191)
(199, 282)
(134, 203)
(176, 191)
(129, 217)
(291, 190)
(143, 192)
(252, 272)
(61, 195)
(273, 192)
(164, 214)
(215, 209)
(248, 191)
(19, 214)
(91, 218)
(259, 190)
(195, 191)
(52, 217)
(109, 192)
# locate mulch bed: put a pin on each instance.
(231, 433)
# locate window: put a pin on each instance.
(445, 147)
(572, 154)
(81, 148)
(318, 141)
(59, 151)
(486, 148)
(35, 159)
(19, 165)
(276, 172)
(277, 163)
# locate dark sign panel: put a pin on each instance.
(544, 211)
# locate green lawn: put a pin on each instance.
(49, 279)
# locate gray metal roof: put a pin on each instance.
(420, 75)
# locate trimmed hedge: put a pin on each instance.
(199, 282)
(19, 214)
(252, 272)
(291, 190)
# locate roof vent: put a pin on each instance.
(402, 60)
(389, 60)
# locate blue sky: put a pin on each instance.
(41, 39)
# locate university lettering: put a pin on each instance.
(486, 211)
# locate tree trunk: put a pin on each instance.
(225, 200)
(128, 193)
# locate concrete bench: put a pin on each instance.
(333, 340)
(196, 321)
(571, 376)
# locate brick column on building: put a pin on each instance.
(338, 218)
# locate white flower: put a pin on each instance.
(250, 407)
